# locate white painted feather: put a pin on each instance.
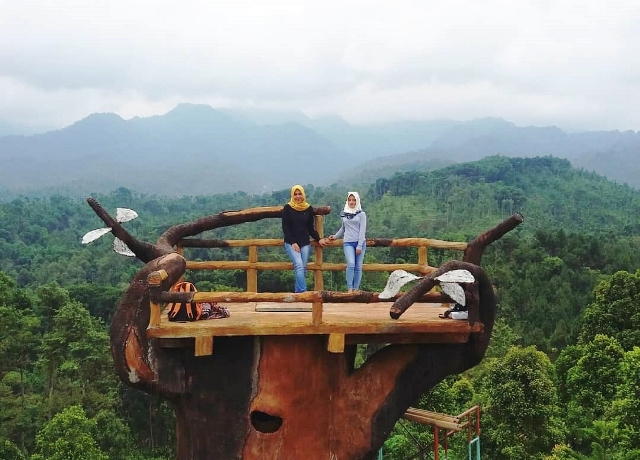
(95, 234)
(397, 279)
(121, 248)
(455, 291)
(125, 214)
(456, 276)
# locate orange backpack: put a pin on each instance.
(185, 311)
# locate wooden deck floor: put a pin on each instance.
(356, 322)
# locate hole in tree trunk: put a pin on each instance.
(265, 423)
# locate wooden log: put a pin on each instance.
(371, 242)
(289, 297)
(246, 265)
(285, 297)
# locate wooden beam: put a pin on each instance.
(309, 296)
(204, 346)
(245, 265)
(434, 419)
(371, 242)
(155, 280)
(336, 343)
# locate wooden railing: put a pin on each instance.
(315, 297)
(318, 266)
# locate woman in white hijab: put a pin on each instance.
(354, 228)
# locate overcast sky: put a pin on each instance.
(574, 64)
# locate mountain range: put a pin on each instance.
(196, 150)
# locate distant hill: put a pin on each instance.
(612, 154)
(195, 150)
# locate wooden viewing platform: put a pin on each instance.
(286, 381)
(344, 318)
(342, 324)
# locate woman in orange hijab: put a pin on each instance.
(298, 227)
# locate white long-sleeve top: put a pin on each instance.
(354, 228)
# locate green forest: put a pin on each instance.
(560, 381)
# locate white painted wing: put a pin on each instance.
(397, 279)
(121, 248)
(95, 234)
(125, 215)
(455, 291)
(456, 276)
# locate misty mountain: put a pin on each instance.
(613, 154)
(197, 150)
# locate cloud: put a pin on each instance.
(568, 63)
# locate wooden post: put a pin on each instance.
(336, 343)
(422, 255)
(318, 281)
(154, 281)
(316, 309)
(252, 273)
(204, 346)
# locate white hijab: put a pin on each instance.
(357, 208)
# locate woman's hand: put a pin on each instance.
(331, 237)
(323, 242)
(358, 251)
(295, 247)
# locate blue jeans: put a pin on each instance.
(299, 260)
(354, 264)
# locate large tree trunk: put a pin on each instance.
(285, 397)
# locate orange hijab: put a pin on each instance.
(298, 206)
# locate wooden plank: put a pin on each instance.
(436, 419)
(204, 346)
(349, 319)
(283, 307)
(434, 415)
(336, 343)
